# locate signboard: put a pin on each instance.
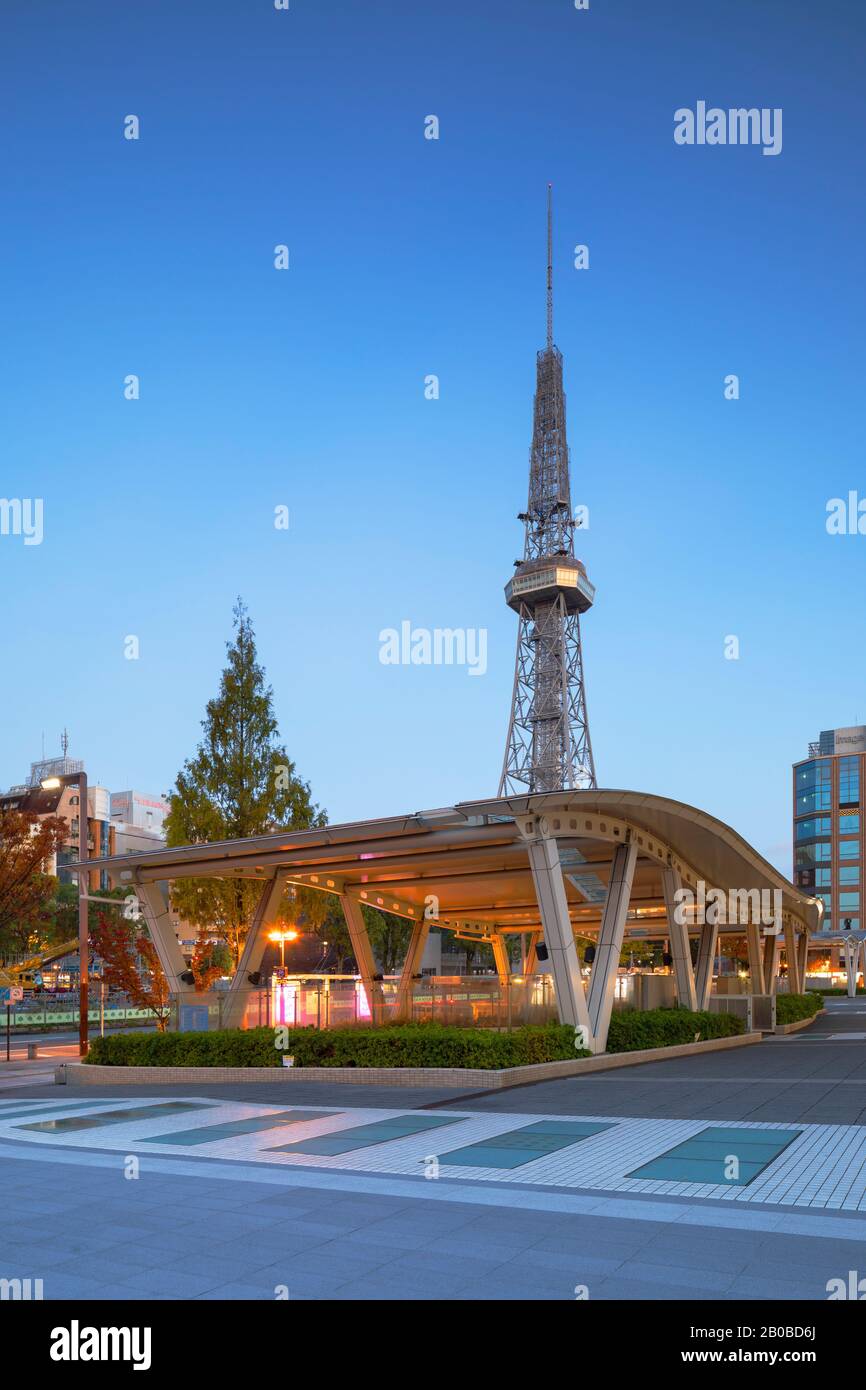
(13, 994)
(852, 740)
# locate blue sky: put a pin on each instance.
(306, 388)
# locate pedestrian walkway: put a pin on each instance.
(813, 1166)
(735, 1175)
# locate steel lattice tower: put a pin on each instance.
(548, 746)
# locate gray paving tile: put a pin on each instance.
(173, 1283)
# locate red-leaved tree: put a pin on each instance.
(120, 943)
(27, 844)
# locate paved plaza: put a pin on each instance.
(735, 1175)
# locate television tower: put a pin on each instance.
(548, 746)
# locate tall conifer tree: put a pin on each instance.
(240, 782)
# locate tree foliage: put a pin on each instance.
(120, 944)
(240, 782)
(26, 891)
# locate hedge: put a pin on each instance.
(632, 1030)
(407, 1044)
(790, 1008)
(394, 1045)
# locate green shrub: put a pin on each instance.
(790, 1008)
(823, 989)
(407, 1044)
(394, 1045)
(631, 1030)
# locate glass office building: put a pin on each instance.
(828, 825)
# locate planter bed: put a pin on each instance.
(472, 1079)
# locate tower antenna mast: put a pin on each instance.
(548, 746)
(549, 266)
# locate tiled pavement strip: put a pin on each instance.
(245, 1219)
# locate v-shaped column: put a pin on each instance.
(607, 952)
(161, 928)
(679, 939)
(559, 936)
(267, 910)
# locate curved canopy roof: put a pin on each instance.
(472, 860)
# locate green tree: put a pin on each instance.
(240, 782)
(389, 938)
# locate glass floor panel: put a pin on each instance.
(364, 1136)
(706, 1156)
(115, 1117)
(519, 1146)
(210, 1134)
(17, 1109)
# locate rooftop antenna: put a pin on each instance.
(549, 266)
(64, 742)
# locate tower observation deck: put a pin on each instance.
(548, 746)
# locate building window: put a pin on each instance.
(849, 825)
(850, 874)
(847, 901)
(849, 849)
(813, 787)
(816, 853)
(822, 878)
(849, 781)
(809, 829)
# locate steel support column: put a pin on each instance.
(267, 910)
(530, 962)
(771, 962)
(363, 953)
(161, 929)
(803, 956)
(851, 953)
(756, 960)
(679, 937)
(559, 936)
(501, 958)
(411, 967)
(607, 952)
(706, 956)
(795, 984)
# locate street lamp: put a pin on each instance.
(52, 784)
(284, 935)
